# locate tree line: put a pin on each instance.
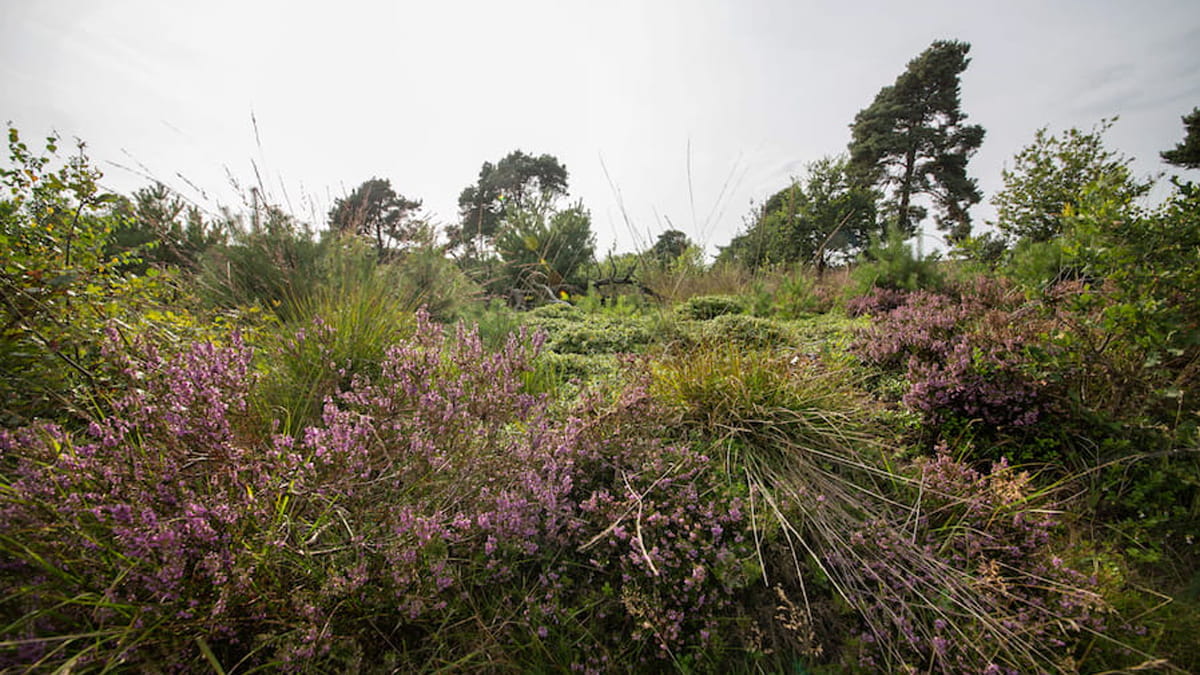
(906, 164)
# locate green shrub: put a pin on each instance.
(746, 331)
(565, 375)
(424, 277)
(494, 320)
(705, 307)
(61, 284)
(800, 295)
(339, 329)
(1039, 265)
(593, 334)
(558, 311)
(268, 262)
(891, 263)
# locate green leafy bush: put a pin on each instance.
(746, 331)
(890, 262)
(705, 307)
(60, 284)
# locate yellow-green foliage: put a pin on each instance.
(728, 388)
(705, 307)
(61, 285)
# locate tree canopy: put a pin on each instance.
(1050, 177)
(376, 210)
(669, 246)
(514, 181)
(815, 220)
(913, 140)
(1187, 153)
(545, 246)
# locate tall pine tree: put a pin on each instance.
(912, 141)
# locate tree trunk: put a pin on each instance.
(910, 167)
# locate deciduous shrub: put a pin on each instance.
(61, 281)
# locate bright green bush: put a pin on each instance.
(572, 331)
(891, 263)
(705, 307)
(746, 331)
(60, 284)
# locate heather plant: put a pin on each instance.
(924, 326)
(943, 569)
(877, 302)
(973, 360)
(987, 591)
(142, 534)
(436, 516)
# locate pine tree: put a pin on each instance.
(912, 140)
(1187, 153)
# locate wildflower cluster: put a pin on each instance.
(986, 593)
(435, 512)
(969, 358)
(144, 517)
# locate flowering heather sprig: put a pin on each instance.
(435, 510)
(924, 326)
(144, 508)
(990, 577)
(963, 358)
(878, 302)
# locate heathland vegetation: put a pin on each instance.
(237, 442)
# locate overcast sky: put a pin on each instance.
(695, 108)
